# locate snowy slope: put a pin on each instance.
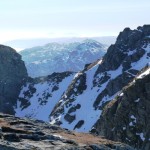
(55, 57)
(81, 105)
(39, 96)
(144, 73)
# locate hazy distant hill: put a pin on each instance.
(21, 44)
(56, 57)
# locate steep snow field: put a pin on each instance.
(44, 98)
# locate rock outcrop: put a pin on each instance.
(127, 117)
(12, 75)
(25, 134)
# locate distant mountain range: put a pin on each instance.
(56, 57)
(21, 44)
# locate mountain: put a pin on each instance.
(12, 75)
(127, 117)
(55, 57)
(80, 104)
(21, 44)
(25, 134)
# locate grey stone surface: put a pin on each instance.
(25, 134)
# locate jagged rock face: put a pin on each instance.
(100, 82)
(128, 48)
(39, 96)
(127, 117)
(12, 75)
(25, 134)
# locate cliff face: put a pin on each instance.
(127, 117)
(12, 74)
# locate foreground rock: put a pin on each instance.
(12, 74)
(127, 117)
(24, 134)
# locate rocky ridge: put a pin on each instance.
(25, 134)
(127, 117)
(12, 75)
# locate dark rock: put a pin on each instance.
(24, 103)
(127, 117)
(69, 117)
(55, 88)
(11, 137)
(113, 86)
(148, 54)
(74, 108)
(29, 93)
(79, 124)
(12, 75)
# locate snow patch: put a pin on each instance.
(77, 75)
(124, 128)
(141, 136)
(121, 94)
(144, 74)
(133, 117)
(136, 101)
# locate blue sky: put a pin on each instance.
(70, 18)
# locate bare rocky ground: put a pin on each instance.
(25, 134)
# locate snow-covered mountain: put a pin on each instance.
(81, 100)
(81, 105)
(55, 57)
